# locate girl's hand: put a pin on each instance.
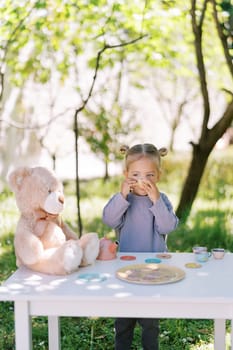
(126, 186)
(151, 190)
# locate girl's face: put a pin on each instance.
(143, 169)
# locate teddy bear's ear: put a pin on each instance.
(17, 176)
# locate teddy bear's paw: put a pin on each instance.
(72, 256)
(90, 244)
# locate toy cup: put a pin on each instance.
(218, 253)
(202, 256)
(198, 249)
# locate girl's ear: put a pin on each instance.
(125, 173)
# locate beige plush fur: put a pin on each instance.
(43, 242)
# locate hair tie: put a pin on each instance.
(124, 149)
(163, 151)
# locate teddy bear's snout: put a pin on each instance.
(61, 199)
(54, 203)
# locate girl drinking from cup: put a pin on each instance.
(142, 216)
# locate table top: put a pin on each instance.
(210, 287)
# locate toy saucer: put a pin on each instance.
(128, 257)
(152, 261)
(193, 265)
(92, 277)
(164, 256)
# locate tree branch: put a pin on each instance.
(197, 31)
(223, 39)
(15, 30)
(38, 126)
(220, 127)
(98, 58)
(5, 48)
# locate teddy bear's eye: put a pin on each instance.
(49, 191)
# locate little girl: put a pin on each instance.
(143, 217)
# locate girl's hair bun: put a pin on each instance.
(163, 151)
(124, 149)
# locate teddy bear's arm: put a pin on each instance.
(28, 247)
(40, 227)
(70, 234)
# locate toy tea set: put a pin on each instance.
(151, 272)
(202, 255)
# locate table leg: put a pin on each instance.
(232, 334)
(23, 328)
(54, 332)
(219, 334)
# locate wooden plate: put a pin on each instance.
(150, 274)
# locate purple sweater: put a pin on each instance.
(141, 225)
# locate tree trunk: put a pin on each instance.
(193, 179)
(171, 141)
(209, 137)
(106, 172)
(76, 133)
(200, 156)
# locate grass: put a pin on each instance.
(210, 224)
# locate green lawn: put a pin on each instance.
(210, 224)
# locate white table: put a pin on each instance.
(204, 293)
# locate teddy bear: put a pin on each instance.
(43, 242)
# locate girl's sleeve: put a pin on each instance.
(113, 212)
(165, 218)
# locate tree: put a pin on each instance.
(80, 41)
(209, 135)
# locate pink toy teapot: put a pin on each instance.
(107, 250)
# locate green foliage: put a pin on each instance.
(226, 14)
(38, 37)
(34, 32)
(106, 128)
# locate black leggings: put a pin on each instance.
(124, 330)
